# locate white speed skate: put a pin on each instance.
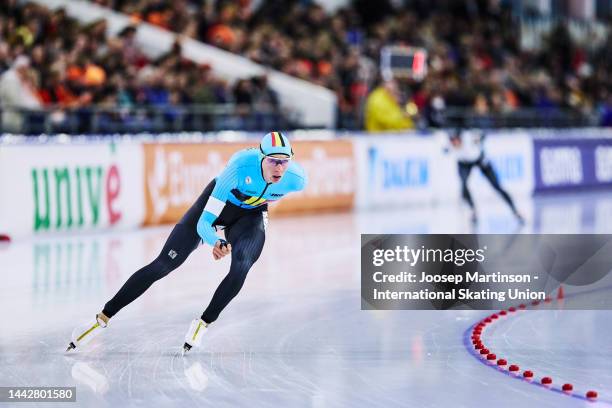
(193, 338)
(83, 335)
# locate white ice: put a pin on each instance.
(295, 335)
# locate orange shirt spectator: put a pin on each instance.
(94, 75)
(222, 35)
(160, 19)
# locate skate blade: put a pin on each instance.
(186, 348)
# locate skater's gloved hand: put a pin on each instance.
(221, 248)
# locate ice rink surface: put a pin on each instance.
(295, 335)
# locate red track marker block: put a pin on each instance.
(560, 294)
(546, 381)
(591, 395)
(567, 387)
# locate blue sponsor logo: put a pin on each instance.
(397, 173)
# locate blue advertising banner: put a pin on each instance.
(562, 164)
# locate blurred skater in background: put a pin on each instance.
(468, 148)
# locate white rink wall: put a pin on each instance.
(57, 184)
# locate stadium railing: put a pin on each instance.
(206, 118)
(520, 118)
(137, 119)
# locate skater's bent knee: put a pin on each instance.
(241, 266)
(162, 267)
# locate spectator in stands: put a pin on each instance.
(383, 110)
(474, 48)
(203, 92)
(130, 51)
(54, 91)
(243, 98)
(4, 55)
(243, 95)
(264, 98)
(265, 103)
(125, 91)
(154, 90)
(18, 94)
(605, 111)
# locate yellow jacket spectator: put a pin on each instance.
(383, 111)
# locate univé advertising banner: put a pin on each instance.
(177, 173)
(54, 187)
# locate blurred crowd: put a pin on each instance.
(475, 60)
(48, 59)
(474, 57)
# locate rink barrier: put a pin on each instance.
(406, 169)
(53, 184)
(175, 175)
(63, 185)
(473, 341)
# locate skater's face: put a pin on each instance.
(274, 167)
(456, 141)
